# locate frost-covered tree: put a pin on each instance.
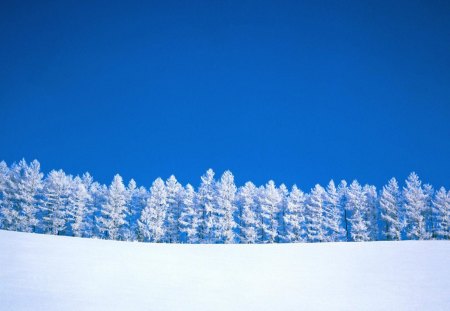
(247, 214)
(333, 214)
(281, 229)
(225, 209)
(441, 208)
(99, 195)
(342, 191)
(78, 208)
(151, 222)
(356, 203)
(21, 188)
(112, 222)
(415, 202)
(371, 208)
(189, 216)
(57, 190)
(206, 201)
(174, 196)
(269, 201)
(294, 216)
(390, 210)
(430, 219)
(137, 200)
(314, 220)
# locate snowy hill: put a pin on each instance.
(43, 272)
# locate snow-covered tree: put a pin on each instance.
(430, 219)
(281, 229)
(206, 200)
(189, 217)
(441, 207)
(225, 209)
(78, 208)
(137, 200)
(21, 187)
(356, 203)
(342, 191)
(99, 195)
(57, 190)
(294, 216)
(247, 214)
(333, 214)
(371, 208)
(415, 207)
(314, 221)
(390, 210)
(174, 196)
(151, 222)
(112, 222)
(269, 201)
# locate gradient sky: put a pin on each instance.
(295, 91)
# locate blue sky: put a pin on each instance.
(298, 92)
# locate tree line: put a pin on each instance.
(218, 211)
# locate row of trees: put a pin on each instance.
(218, 212)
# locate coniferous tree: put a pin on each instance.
(342, 191)
(78, 202)
(281, 229)
(151, 222)
(293, 217)
(371, 207)
(314, 222)
(225, 209)
(390, 210)
(112, 222)
(415, 208)
(356, 203)
(269, 200)
(333, 214)
(137, 200)
(207, 205)
(174, 196)
(247, 214)
(189, 217)
(441, 208)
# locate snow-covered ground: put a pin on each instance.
(42, 272)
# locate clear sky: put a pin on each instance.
(295, 91)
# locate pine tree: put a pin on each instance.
(390, 210)
(151, 222)
(99, 195)
(174, 197)
(333, 214)
(281, 229)
(78, 200)
(342, 191)
(371, 207)
(441, 208)
(269, 201)
(206, 201)
(428, 211)
(55, 211)
(247, 214)
(112, 222)
(293, 217)
(356, 203)
(415, 208)
(314, 222)
(137, 200)
(189, 217)
(21, 196)
(225, 209)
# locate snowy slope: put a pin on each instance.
(42, 272)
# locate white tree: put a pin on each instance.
(189, 217)
(78, 200)
(174, 196)
(137, 200)
(206, 201)
(390, 210)
(99, 195)
(294, 216)
(225, 209)
(356, 203)
(269, 201)
(151, 222)
(112, 222)
(333, 214)
(415, 208)
(247, 214)
(281, 228)
(441, 206)
(314, 222)
(371, 208)
(342, 191)
(428, 215)
(57, 190)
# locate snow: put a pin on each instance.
(44, 272)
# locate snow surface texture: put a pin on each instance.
(44, 272)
